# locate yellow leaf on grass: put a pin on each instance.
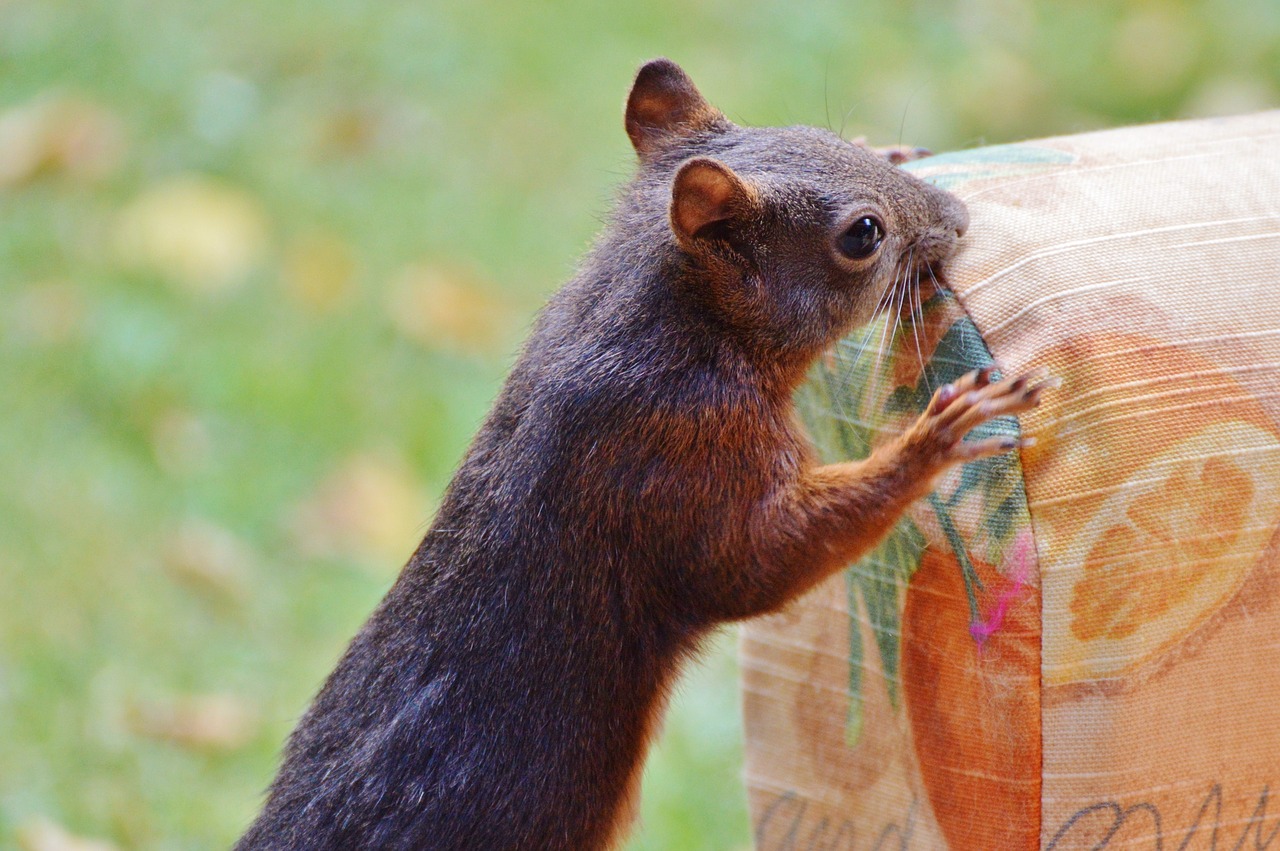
(210, 559)
(317, 271)
(448, 309)
(49, 313)
(351, 130)
(201, 233)
(211, 722)
(371, 508)
(44, 835)
(59, 134)
(181, 442)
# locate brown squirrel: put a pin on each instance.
(640, 480)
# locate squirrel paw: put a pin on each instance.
(958, 408)
(896, 154)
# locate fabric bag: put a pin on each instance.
(1076, 646)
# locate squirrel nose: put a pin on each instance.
(951, 215)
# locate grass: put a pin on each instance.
(269, 265)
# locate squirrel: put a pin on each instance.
(640, 480)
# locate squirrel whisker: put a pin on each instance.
(864, 342)
(917, 315)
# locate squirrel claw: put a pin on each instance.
(899, 154)
(895, 154)
(975, 398)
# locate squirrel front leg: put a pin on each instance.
(834, 514)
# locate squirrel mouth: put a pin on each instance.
(909, 293)
(919, 282)
(930, 279)
(901, 305)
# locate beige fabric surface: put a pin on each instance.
(1080, 647)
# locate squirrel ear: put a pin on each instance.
(663, 102)
(706, 192)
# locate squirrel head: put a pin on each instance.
(789, 236)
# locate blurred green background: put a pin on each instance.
(263, 266)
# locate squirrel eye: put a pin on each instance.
(862, 238)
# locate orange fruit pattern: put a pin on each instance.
(974, 707)
(1118, 594)
(1152, 498)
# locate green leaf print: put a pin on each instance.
(879, 580)
(855, 401)
(958, 167)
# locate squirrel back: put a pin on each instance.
(639, 480)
